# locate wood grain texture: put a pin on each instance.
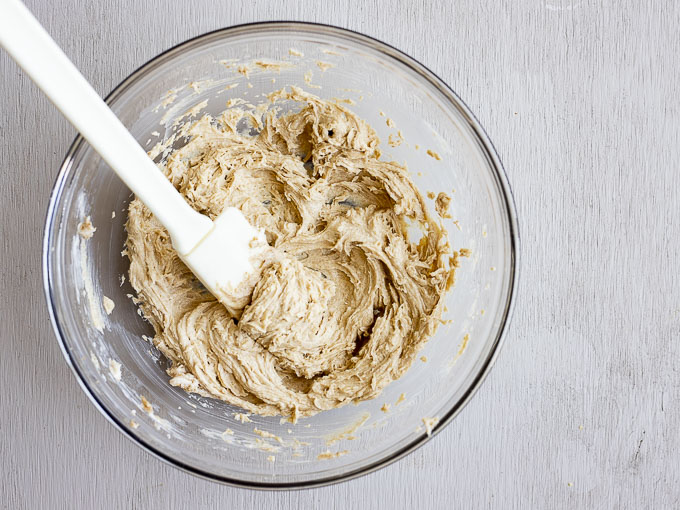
(581, 99)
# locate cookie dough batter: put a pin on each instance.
(346, 299)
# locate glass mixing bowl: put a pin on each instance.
(189, 431)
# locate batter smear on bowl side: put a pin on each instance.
(344, 298)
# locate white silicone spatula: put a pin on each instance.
(218, 252)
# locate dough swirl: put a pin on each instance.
(345, 301)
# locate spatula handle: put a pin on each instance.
(34, 50)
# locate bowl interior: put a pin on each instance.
(378, 83)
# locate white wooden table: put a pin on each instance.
(582, 100)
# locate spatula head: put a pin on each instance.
(228, 258)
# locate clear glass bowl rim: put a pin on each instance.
(389, 52)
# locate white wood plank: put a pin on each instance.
(581, 100)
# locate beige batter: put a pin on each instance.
(346, 301)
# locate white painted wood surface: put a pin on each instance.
(582, 100)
